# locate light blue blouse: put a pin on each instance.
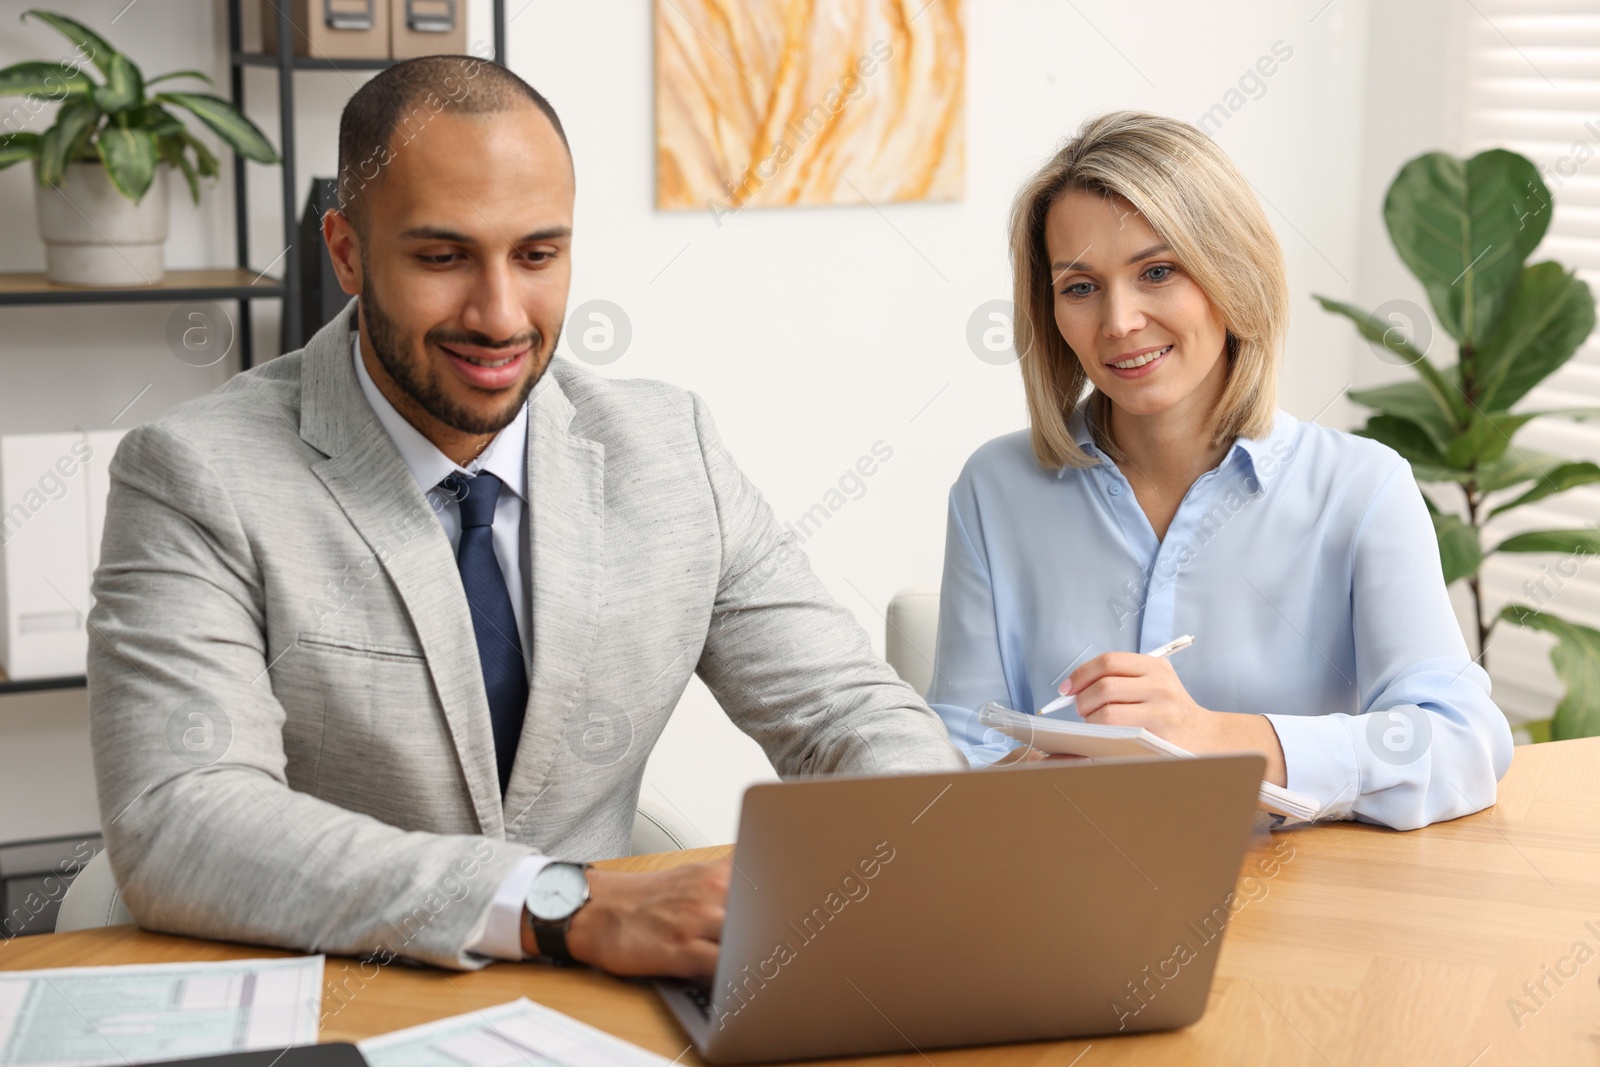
(1305, 565)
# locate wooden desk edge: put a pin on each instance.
(661, 861)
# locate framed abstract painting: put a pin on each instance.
(769, 103)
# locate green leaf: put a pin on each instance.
(174, 152)
(1576, 658)
(1414, 444)
(191, 177)
(1373, 328)
(1517, 465)
(60, 142)
(181, 74)
(51, 81)
(159, 121)
(1573, 542)
(1549, 314)
(1567, 476)
(1415, 402)
(1405, 437)
(1425, 472)
(1464, 227)
(124, 88)
(1460, 551)
(174, 145)
(79, 149)
(1486, 437)
(130, 157)
(90, 45)
(227, 122)
(1444, 392)
(205, 161)
(1538, 732)
(17, 148)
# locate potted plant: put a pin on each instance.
(101, 197)
(1464, 228)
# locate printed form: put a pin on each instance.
(84, 1016)
(517, 1034)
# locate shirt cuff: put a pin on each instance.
(980, 753)
(502, 928)
(1320, 760)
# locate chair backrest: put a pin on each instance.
(912, 634)
(659, 827)
(93, 898)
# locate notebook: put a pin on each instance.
(1073, 738)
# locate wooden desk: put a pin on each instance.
(1366, 947)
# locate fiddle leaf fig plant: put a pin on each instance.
(118, 121)
(1464, 228)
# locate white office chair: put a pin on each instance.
(93, 898)
(912, 635)
(659, 827)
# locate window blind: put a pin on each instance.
(1531, 77)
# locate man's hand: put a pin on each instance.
(661, 924)
(1130, 689)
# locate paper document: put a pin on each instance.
(1072, 738)
(78, 1016)
(518, 1034)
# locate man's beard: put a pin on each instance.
(389, 344)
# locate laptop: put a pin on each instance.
(1037, 902)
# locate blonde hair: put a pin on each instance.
(1193, 196)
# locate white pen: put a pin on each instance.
(1160, 653)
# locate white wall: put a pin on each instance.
(813, 333)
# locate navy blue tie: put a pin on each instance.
(505, 678)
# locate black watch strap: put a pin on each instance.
(552, 941)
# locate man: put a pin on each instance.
(384, 626)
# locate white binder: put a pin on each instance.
(53, 490)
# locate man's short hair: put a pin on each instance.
(389, 111)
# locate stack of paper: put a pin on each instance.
(83, 1016)
(1074, 738)
(517, 1034)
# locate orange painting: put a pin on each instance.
(771, 102)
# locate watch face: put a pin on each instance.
(558, 891)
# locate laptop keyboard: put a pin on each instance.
(701, 998)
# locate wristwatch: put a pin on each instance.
(559, 891)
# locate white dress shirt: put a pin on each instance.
(506, 459)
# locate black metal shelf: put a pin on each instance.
(240, 283)
(268, 59)
(36, 685)
(225, 283)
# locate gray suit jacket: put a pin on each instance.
(290, 731)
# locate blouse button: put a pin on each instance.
(1114, 489)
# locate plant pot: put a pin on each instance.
(94, 236)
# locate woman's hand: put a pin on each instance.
(1131, 689)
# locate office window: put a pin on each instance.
(1532, 84)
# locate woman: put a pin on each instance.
(1159, 493)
